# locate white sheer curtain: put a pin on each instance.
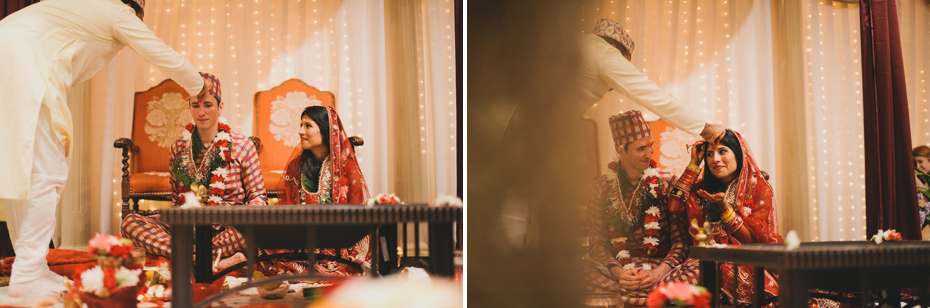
(712, 55)
(914, 19)
(252, 46)
(833, 104)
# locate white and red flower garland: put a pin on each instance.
(218, 176)
(649, 199)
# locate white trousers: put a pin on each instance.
(32, 222)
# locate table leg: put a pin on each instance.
(311, 246)
(709, 281)
(203, 264)
(441, 249)
(922, 292)
(373, 239)
(735, 278)
(793, 289)
(758, 286)
(864, 295)
(251, 251)
(182, 243)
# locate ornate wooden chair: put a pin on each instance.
(277, 119)
(159, 117)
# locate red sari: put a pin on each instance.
(753, 200)
(341, 182)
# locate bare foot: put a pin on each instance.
(230, 261)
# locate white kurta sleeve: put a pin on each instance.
(626, 79)
(129, 29)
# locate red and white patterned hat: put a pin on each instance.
(611, 29)
(216, 92)
(628, 126)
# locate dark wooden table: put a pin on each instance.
(834, 266)
(303, 226)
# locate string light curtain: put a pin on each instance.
(914, 18)
(253, 45)
(833, 108)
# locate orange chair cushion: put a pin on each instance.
(149, 182)
(272, 180)
(61, 261)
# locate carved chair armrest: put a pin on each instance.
(257, 142)
(127, 146)
(356, 141)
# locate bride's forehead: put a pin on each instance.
(712, 147)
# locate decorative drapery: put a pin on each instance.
(891, 196)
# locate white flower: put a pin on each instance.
(792, 241)
(652, 190)
(222, 136)
(215, 199)
(221, 119)
(618, 240)
(190, 201)
(651, 240)
(623, 254)
(92, 279)
(127, 277)
(448, 201)
(222, 172)
(652, 225)
(219, 185)
(186, 135)
(371, 201)
(629, 266)
(647, 267)
(652, 210)
(881, 236)
(650, 172)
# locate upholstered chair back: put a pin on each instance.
(277, 120)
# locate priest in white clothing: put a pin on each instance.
(47, 47)
(605, 65)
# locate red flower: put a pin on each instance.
(651, 218)
(655, 299)
(894, 236)
(216, 191)
(181, 199)
(121, 251)
(702, 300)
(612, 166)
(216, 179)
(109, 279)
(189, 127)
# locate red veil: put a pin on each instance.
(755, 205)
(755, 202)
(349, 185)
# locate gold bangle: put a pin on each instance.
(728, 216)
(694, 167)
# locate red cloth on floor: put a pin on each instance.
(61, 261)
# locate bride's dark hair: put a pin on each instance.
(309, 165)
(712, 184)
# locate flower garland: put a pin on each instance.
(110, 246)
(679, 294)
(106, 281)
(383, 199)
(218, 173)
(889, 235)
(620, 221)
